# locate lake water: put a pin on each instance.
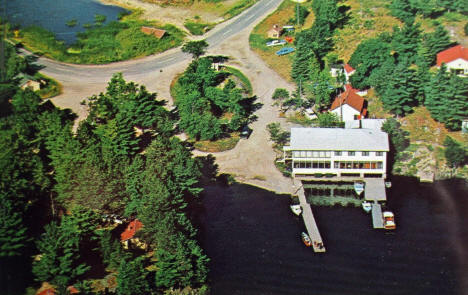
(54, 14)
(253, 240)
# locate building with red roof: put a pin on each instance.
(349, 106)
(348, 71)
(455, 58)
(131, 230)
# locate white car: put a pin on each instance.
(276, 42)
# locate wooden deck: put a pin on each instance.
(374, 189)
(377, 219)
(309, 220)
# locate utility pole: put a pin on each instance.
(297, 14)
(2, 44)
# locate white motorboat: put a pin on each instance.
(359, 187)
(296, 209)
(366, 206)
(388, 184)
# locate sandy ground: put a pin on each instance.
(168, 14)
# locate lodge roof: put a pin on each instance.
(452, 54)
(338, 139)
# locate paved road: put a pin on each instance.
(152, 64)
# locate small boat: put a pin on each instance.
(296, 209)
(389, 220)
(359, 187)
(366, 206)
(388, 184)
(305, 238)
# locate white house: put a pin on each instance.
(337, 152)
(349, 106)
(455, 58)
(348, 71)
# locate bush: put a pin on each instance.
(455, 154)
(466, 29)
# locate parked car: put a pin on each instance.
(276, 42)
(285, 50)
(245, 132)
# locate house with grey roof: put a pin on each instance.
(337, 152)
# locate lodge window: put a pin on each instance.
(337, 153)
(312, 164)
(365, 154)
(350, 153)
(357, 165)
(379, 154)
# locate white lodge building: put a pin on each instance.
(337, 152)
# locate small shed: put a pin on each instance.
(274, 32)
(158, 33)
(30, 82)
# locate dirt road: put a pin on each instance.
(251, 161)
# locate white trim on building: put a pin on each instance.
(337, 152)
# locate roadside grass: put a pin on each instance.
(299, 118)
(242, 82)
(53, 88)
(197, 28)
(368, 18)
(220, 145)
(221, 8)
(115, 41)
(258, 38)
(375, 105)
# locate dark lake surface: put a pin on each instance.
(54, 14)
(253, 240)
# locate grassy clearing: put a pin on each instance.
(301, 119)
(219, 145)
(100, 44)
(197, 28)
(52, 88)
(258, 38)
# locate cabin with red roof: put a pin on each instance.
(128, 235)
(348, 71)
(131, 230)
(349, 106)
(455, 58)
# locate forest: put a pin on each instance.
(67, 195)
(209, 102)
(398, 65)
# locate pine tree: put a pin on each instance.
(455, 154)
(435, 42)
(13, 231)
(447, 98)
(132, 277)
(399, 95)
(406, 41)
(403, 10)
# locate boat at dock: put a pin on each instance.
(358, 187)
(389, 220)
(306, 239)
(296, 209)
(366, 206)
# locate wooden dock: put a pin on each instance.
(377, 219)
(309, 220)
